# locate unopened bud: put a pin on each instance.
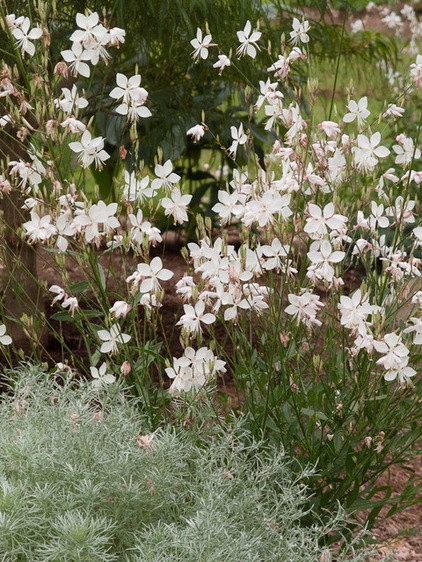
(61, 69)
(122, 153)
(125, 369)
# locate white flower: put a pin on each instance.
(222, 62)
(92, 36)
(23, 38)
(186, 287)
(71, 101)
(137, 189)
(182, 374)
(401, 372)
(117, 36)
(73, 125)
(39, 229)
(112, 339)
(59, 292)
(193, 369)
(239, 138)
(268, 92)
(229, 204)
(141, 229)
(367, 152)
(71, 303)
(248, 41)
(120, 308)
(330, 128)
(90, 150)
(417, 327)
(357, 111)
(13, 21)
(89, 30)
(304, 308)
(355, 311)
(416, 71)
(406, 151)
(300, 32)
(281, 67)
(76, 59)
(402, 210)
(196, 132)
(357, 26)
(191, 320)
(133, 97)
(148, 276)
(263, 210)
(64, 228)
(394, 351)
(393, 111)
(5, 120)
(165, 176)
(417, 232)
(322, 256)
(98, 214)
(319, 219)
(201, 45)
(276, 254)
(177, 205)
(101, 376)
(4, 339)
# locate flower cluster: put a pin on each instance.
(194, 369)
(132, 96)
(89, 44)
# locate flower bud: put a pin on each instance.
(125, 369)
(61, 69)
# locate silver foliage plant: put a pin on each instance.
(82, 479)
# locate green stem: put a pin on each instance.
(338, 62)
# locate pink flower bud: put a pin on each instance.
(125, 369)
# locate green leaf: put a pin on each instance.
(79, 287)
(62, 316)
(102, 276)
(317, 414)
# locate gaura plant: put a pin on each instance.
(326, 369)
